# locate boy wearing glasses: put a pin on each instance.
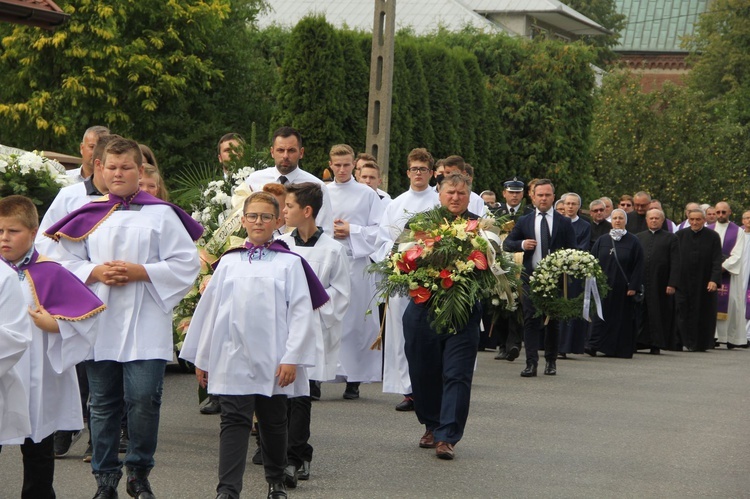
(420, 197)
(254, 357)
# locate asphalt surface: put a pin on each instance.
(674, 425)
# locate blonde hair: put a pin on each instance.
(341, 150)
(152, 171)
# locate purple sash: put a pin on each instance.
(318, 294)
(60, 292)
(83, 221)
(730, 239)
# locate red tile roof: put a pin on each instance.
(42, 13)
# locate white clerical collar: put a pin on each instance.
(574, 219)
(347, 182)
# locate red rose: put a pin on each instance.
(479, 259)
(420, 295)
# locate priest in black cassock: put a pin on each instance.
(621, 258)
(699, 277)
(599, 224)
(662, 259)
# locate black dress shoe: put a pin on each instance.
(315, 390)
(655, 351)
(106, 492)
(212, 407)
(550, 369)
(352, 391)
(290, 476)
(501, 355)
(513, 354)
(406, 405)
(530, 370)
(276, 491)
(303, 473)
(590, 351)
(258, 456)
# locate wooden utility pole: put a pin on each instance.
(381, 85)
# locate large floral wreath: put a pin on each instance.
(549, 284)
(448, 264)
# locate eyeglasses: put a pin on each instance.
(598, 210)
(625, 205)
(721, 212)
(264, 217)
(419, 169)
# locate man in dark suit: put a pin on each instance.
(441, 366)
(537, 235)
(599, 224)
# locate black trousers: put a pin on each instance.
(236, 423)
(533, 328)
(299, 410)
(38, 468)
(441, 368)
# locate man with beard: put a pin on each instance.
(699, 278)
(730, 327)
(662, 258)
(286, 151)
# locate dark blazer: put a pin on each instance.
(563, 236)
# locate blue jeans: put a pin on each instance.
(136, 385)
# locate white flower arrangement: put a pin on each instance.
(32, 175)
(548, 283)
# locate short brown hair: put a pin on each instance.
(102, 143)
(123, 146)
(366, 156)
(456, 161)
(420, 154)
(262, 197)
(227, 137)
(307, 194)
(21, 208)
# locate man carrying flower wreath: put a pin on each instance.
(441, 366)
(538, 234)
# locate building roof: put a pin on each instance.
(41, 13)
(658, 25)
(551, 12)
(422, 16)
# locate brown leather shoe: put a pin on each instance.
(444, 450)
(428, 440)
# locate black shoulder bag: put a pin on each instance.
(640, 294)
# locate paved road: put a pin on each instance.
(669, 426)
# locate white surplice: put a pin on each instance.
(68, 200)
(259, 178)
(395, 366)
(746, 272)
(361, 207)
(15, 338)
(252, 317)
(48, 371)
(329, 261)
(476, 204)
(137, 324)
(733, 330)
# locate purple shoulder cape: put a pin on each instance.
(78, 224)
(318, 294)
(61, 293)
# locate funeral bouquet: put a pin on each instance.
(218, 209)
(32, 175)
(449, 264)
(549, 284)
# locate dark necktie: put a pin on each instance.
(283, 180)
(512, 212)
(544, 234)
